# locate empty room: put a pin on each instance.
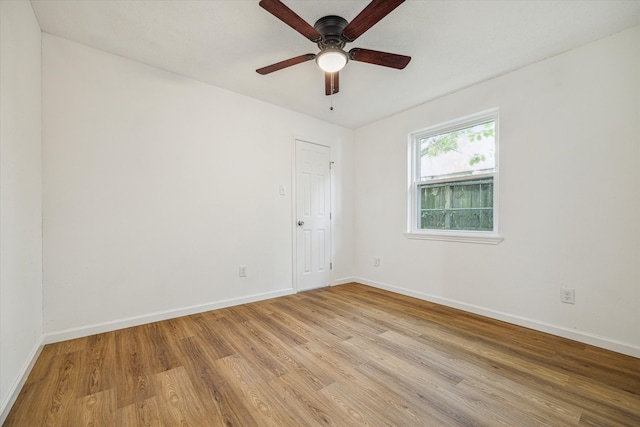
(305, 213)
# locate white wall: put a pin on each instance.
(569, 199)
(20, 196)
(157, 187)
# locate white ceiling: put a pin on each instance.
(453, 44)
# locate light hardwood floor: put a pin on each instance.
(347, 355)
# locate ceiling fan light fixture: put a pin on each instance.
(332, 60)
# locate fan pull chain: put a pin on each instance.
(331, 107)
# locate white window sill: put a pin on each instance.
(445, 236)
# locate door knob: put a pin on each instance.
(300, 223)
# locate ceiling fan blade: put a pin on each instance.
(331, 83)
(289, 17)
(370, 15)
(376, 57)
(286, 63)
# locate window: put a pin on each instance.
(453, 178)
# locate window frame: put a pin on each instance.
(414, 182)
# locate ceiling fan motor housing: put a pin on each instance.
(331, 27)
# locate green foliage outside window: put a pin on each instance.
(447, 142)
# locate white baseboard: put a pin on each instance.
(57, 336)
(343, 281)
(581, 336)
(17, 385)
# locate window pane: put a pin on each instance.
(434, 197)
(462, 205)
(433, 203)
(433, 220)
(461, 152)
(472, 194)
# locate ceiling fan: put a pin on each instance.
(332, 33)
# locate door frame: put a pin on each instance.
(294, 209)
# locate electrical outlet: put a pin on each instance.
(376, 262)
(242, 271)
(568, 295)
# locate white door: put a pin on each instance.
(313, 216)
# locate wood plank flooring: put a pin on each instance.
(342, 356)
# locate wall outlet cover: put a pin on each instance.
(568, 295)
